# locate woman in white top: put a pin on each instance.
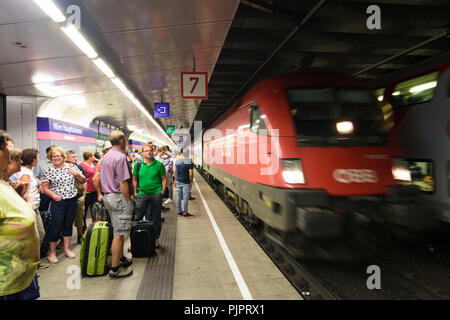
(63, 193)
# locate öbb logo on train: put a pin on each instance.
(355, 175)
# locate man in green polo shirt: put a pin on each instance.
(149, 188)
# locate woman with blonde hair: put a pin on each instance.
(63, 192)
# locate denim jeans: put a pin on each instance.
(169, 177)
(63, 215)
(142, 204)
(183, 194)
(45, 202)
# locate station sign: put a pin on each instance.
(170, 129)
(57, 130)
(162, 110)
(194, 85)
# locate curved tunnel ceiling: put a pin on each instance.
(146, 43)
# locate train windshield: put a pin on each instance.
(319, 112)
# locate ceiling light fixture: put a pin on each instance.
(119, 84)
(104, 67)
(77, 38)
(423, 87)
(80, 41)
(51, 10)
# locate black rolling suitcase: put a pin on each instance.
(142, 239)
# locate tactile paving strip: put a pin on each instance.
(157, 282)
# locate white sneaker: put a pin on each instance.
(168, 201)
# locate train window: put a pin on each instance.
(422, 176)
(317, 110)
(257, 122)
(413, 91)
(358, 103)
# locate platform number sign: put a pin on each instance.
(170, 129)
(194, 85)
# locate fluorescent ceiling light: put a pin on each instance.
(47, 89)
(119, 84)
(77, 38)
(51, 10)
(423, 87)
(130, 95)
(396, 93)
(75, 100)
(104, 68)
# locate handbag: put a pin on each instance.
(79, 186)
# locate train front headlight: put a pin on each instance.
(292, 171)
(400, 170)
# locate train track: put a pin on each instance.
(316, 280)
(307, 284)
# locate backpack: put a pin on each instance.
(79, 185)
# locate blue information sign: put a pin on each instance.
(162, 110)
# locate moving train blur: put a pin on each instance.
(307, 155)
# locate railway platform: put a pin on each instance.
(209, 257)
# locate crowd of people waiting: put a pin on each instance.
(130, 184)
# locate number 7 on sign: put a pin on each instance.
(194, 85)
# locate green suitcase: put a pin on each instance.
(95, 244)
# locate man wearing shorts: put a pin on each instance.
(116, 186)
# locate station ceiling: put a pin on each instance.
(271, 37)
(149, 43)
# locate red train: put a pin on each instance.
(306, 153)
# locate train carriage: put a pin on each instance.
(419, 100)
(306, 152)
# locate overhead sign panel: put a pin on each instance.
(170, 129)
(194, 85)
(52, 129)
(162, 110)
